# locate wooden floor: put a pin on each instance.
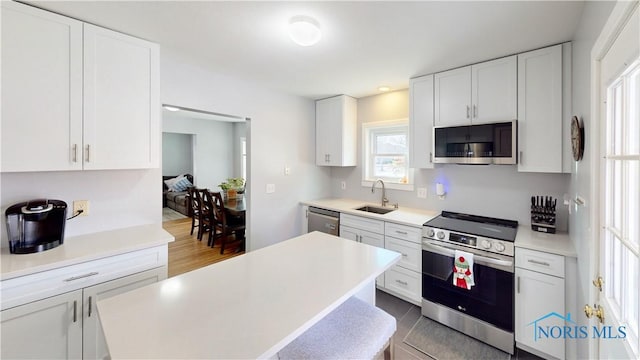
(186, 253)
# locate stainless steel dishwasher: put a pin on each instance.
(325, 221)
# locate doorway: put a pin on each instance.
(207, 148)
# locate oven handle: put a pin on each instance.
(477, 258)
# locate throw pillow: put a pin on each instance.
(171, 182)
(182, 185)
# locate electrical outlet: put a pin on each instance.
(81, 205)
(287, 170)
(271, 188)
(343, 185)
(422, 193)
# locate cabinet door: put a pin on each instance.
(41, 90)
(494, 90)
(539, 295)
(44, 329)
(94, 343)
(421, 122)
(349, 233)
(121, 101)
(540, 110)
(373, 239)
(453, 97)
(336, 119)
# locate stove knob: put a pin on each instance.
(500, 247)
(431, 233)
(440, 235)
(486, 244)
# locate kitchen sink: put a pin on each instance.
(375, 209)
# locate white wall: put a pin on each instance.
(281, 132)
(214, 148)
(593, 18)
(177, 154)
(495, 191)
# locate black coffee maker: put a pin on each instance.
(36, 225)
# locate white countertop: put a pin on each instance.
(403, 215)
(559, 244)
(246, 307)
(78, 249)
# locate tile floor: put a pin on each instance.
(407, 315)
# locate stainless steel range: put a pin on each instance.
(484, 310)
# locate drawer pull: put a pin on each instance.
(404, 255)
(401, 232)
(543, 263)
(402, 282)
(82, 276)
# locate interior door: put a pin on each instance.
(619, 194)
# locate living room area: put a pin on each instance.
(201, 151)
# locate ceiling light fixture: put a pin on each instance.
(384, 88)
(304, 30)
(171, 108)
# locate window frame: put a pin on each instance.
(369, 129)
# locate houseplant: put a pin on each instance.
(232, 187)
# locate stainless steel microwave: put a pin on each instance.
(493, 143)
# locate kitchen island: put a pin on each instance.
(249, 307)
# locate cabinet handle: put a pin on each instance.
(75, 152)
(88, 152)
(518, 285)
(328, 157)
(75, 310)
(89, 306)
(404, 255)
(468, 111)
(81, 276)
(402, 282)
(401, 232)
(475, 111)
(543, 263)
(306, 213)
(430, 157)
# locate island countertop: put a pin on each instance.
(246, 307)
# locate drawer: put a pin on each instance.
(539, 261)
(363, 223)
(25, 289)
(404, 282)
(413, 234)
(411, 253)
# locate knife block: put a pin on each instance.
(543, 218)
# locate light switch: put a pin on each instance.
(287, 170)
(271, 188)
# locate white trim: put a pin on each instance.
(390, 185)
(369, 127)
(614, 25)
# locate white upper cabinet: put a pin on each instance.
(494, 90)
(540, 109)
(336, 119)
(480, 93)
(453, 97)
(41, 90)
(121, 101)
(76, 96)
(421, 123)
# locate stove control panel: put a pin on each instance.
(476, 242)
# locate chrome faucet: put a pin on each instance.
(384, 192)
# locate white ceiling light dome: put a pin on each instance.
(304, 30)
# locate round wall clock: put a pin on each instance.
(577, 139)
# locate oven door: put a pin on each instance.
(491, 299)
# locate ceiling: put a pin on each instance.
(364, 44)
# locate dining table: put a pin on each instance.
(236, 206)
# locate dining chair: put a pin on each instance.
(225, 225)
(195, 201)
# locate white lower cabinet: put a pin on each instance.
(404, 282)
(365, 237)
(405, 278)
(46, 329)
(540, 302)
(65, 326)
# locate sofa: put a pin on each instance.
(176, 200)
